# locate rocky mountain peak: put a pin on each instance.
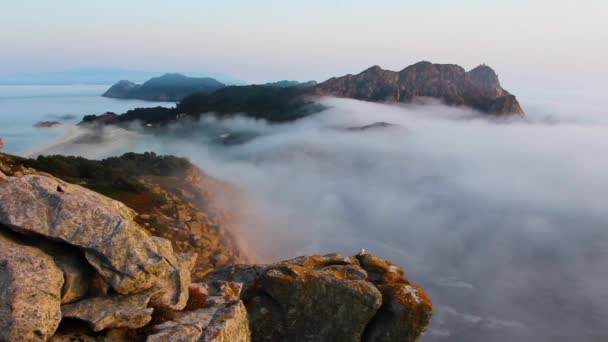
(486, 79)
(450, 83)
(372, 70)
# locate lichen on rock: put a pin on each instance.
(30, 291)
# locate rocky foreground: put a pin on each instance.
(76, 265)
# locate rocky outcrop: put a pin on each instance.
(118, 311)
(330, 298)
(478, 88)
(175, 199)
(91, 241)
(116, 247)
(406, 309)
(75, 265)
(221, 318)
(30, 292)
(173, 289)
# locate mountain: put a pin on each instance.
(450, 83)
(168, 87)
(290, 84)
(478, 89)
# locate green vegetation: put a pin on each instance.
(274, 104)
(113, 177)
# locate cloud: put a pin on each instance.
(503, 221)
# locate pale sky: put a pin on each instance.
(261, 40)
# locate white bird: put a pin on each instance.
(362, 251)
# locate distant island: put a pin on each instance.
(168, 87)
(478, 89)
(174, 87)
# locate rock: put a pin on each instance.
(316, 298)
(113, 243)
(479, 88)
(3, 178)
(406, 310)
(174, 288)
(98, 287)
(229, 324)
(197, 296)
(30, 292)
(77, 273)
(1, 144)
(46, 124)
(220, 260)
(72, 337)
(381, 271)
(330, 298)
(404, 316)
(116, 311)
(223, 318)
(247, 275)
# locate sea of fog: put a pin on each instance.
(503, 222)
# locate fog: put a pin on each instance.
(503, 222)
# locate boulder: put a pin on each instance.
(221, 317)
(103, 228)
(229, 324)
(330, 298)
(404, 316)
(30, 292)
(116, 311)
(316, 298)
(406, 310)
(173, 289)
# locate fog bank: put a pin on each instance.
(502, 221)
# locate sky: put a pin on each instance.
(265, 40)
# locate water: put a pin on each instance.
(23, 106)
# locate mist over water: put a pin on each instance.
(504, 223)
(23, 106)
